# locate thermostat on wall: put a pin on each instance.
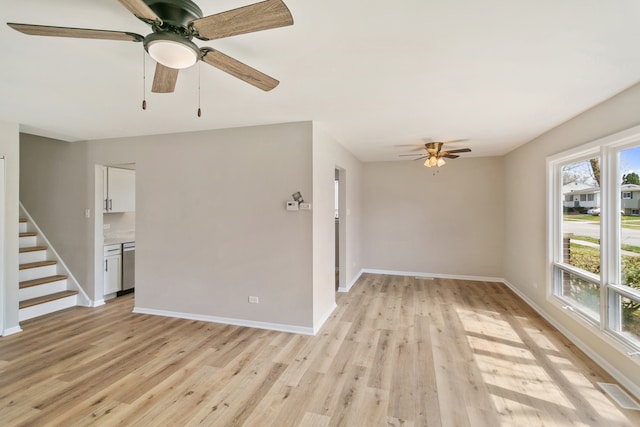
(292, 205)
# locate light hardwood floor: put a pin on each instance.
(398, 351)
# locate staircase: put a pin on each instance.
(44, 288)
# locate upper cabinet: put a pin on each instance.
(119, 190)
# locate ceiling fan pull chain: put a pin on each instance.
(144, 81)
(199, 110)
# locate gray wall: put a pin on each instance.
(54, 189)
(10, 149)
(525, 264)
(211, 224)
(327, 155)
(450, 223)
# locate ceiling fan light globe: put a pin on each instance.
(427, 164)
(172, 54)
(441, 162)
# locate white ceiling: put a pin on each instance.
(374, 74)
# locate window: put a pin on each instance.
(568, 198)
(595, 260)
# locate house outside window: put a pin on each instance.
(594, 264)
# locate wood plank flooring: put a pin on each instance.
(398, 351)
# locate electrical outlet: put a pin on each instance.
(305, 206)
(87, 213)
(253, 300)
(106, 226)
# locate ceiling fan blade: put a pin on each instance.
(423, 157)
(164, 80)
(80, 33)
(417, 154)
(461, 150)
(141, 10)
(238, 69)
(450, 156)
(248, 19)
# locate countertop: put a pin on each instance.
(114, 239)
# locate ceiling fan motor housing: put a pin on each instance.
(175, 13)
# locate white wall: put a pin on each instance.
(450, 223)
(10, 149)
(525, 265)
(328, 155)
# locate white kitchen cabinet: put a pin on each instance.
(112, 269)
(119, 190)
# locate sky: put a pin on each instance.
(629, 162)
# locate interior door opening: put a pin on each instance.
(341, 214)
(337, 226)
(115, 198)
(2, 252)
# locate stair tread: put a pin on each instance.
(42, 281)
(28, 234)
(46, 298)
(23, 220)
(33, 249)
(37, 264)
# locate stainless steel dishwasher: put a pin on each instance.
(128, 267)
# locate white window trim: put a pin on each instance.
(609, 226)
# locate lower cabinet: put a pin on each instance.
(112, 269)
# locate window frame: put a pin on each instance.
(608, 150)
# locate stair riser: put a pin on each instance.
(42, 290)
(25, 242)
(46, 308)
(22, 228)
(38, 272)
(27, 257)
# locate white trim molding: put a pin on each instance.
(351, 283)
(434, 275)
(281, 327)
(11, 331)
(324, 318)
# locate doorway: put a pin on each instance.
(114, 228)
(336, 213)
(2, 251)
(340, 214)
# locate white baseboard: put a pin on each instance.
(11, 331)
(294, 329)
(351, 283)
(602, 362)
(434, 275)
(324, 318)
(96, 303)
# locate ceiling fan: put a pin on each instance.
(175, 23)
(435, 156)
